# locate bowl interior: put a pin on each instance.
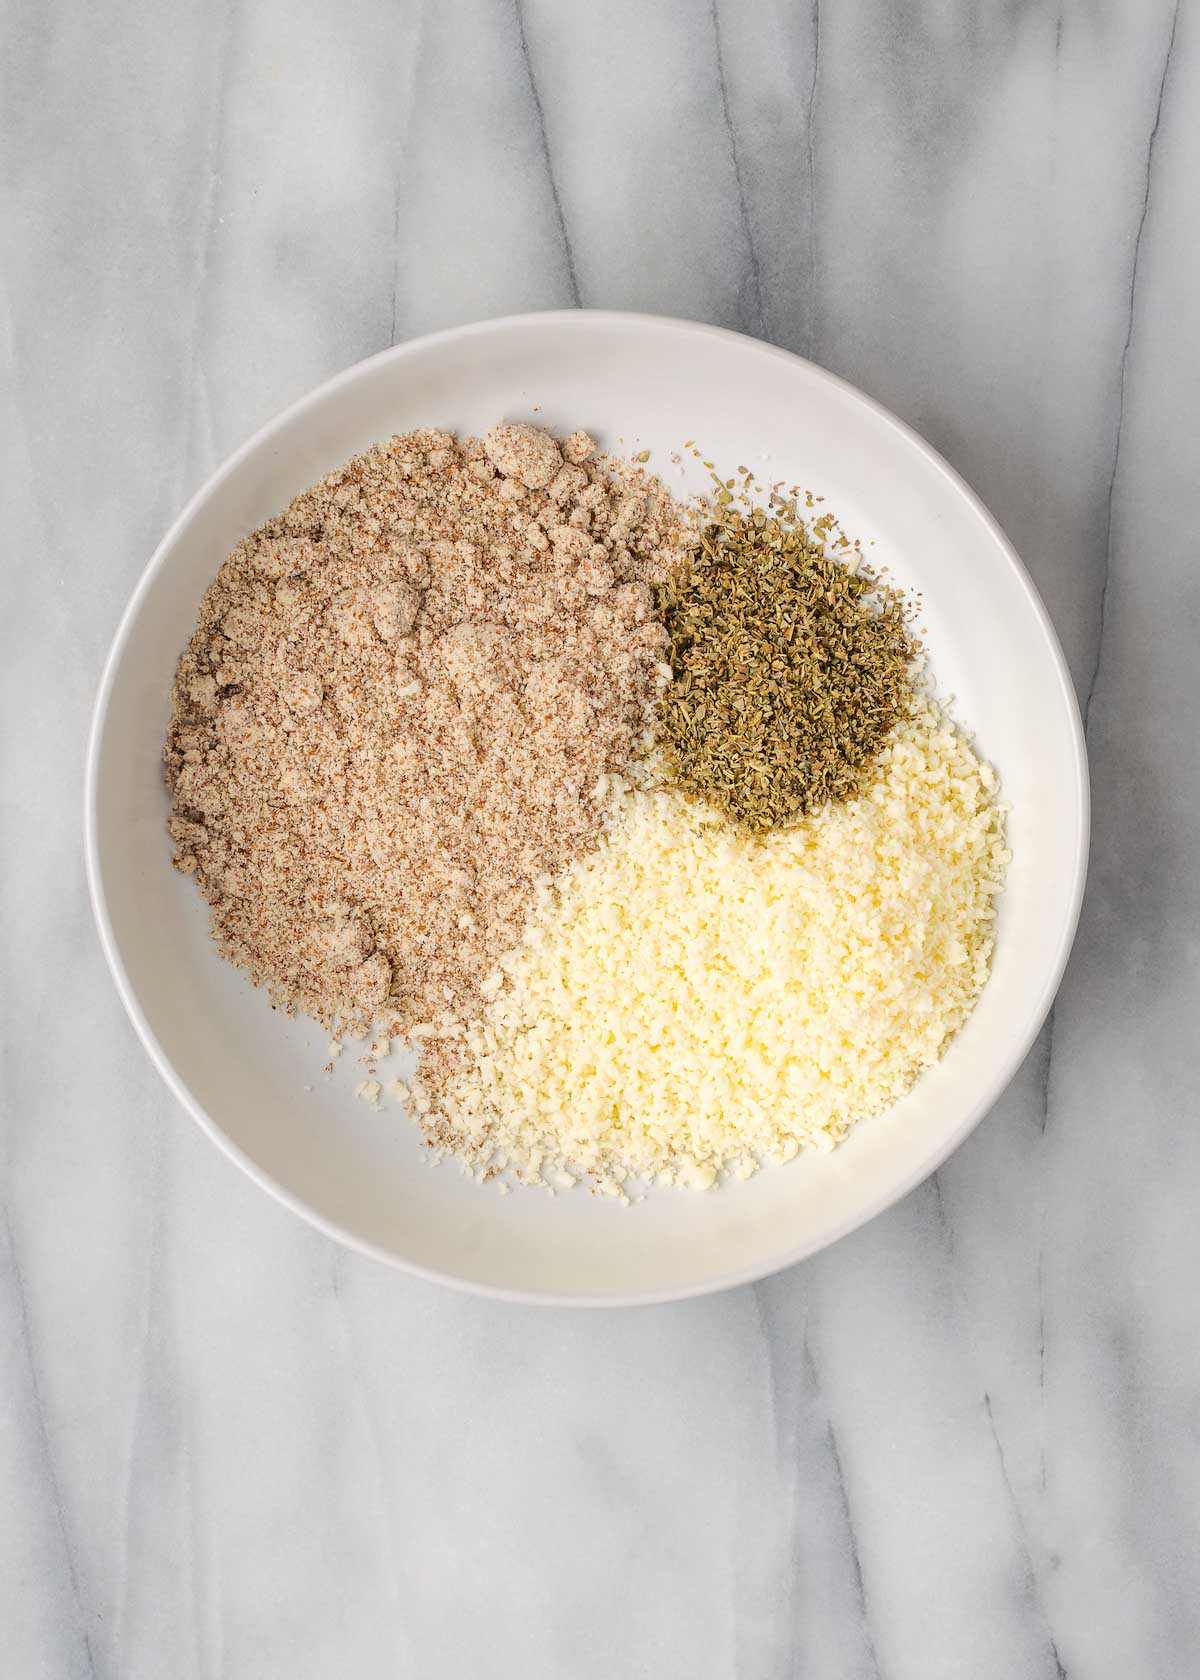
(255, 1079)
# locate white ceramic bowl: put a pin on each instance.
(252, 1078)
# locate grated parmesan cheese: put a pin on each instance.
(689, 1001)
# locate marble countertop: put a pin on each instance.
(964, 1442)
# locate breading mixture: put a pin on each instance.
(650, 838)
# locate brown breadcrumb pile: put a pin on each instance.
(398, 708)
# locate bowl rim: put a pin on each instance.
(926, 1163)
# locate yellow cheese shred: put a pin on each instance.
(689, 1001)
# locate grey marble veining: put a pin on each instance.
(965, 1441)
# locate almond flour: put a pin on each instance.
(400, 708)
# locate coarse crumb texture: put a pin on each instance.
(692, 998)
(399, 708)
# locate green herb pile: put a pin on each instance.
(790, 667)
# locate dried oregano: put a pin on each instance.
(791, 667)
